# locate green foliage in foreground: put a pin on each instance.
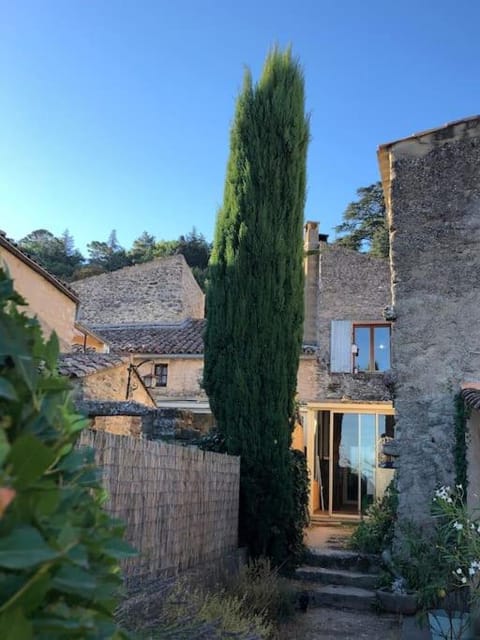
(375, 533)
(59, 550)
(255, 300)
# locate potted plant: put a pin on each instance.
(456, 590)
(397, 597)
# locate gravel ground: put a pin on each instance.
(332, 624)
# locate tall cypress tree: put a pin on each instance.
(255, 299)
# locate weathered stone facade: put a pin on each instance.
(340, 284)
(101, 383)
(154, 313)
(127, 417)
(105, 377)
(340, 396)
(160, 291)
(432, 187)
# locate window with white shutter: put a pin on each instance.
(341, 346)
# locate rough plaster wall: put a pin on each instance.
(183, 380)
(352, 286)
(157, 291)
(55, 310)
(311, 269)
(435, 240)
(307, 388)
(193, 296)
(473, 455)
(119, 425)
(111, 384)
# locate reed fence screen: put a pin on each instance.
(179, 504)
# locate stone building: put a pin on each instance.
(153, 313)
(343, 380)
(162, 291)
(48, 298)
(431, 182)
(102, 381)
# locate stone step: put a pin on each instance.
(341, 559)
(337, 577)
(338, 596)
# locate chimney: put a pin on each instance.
(311, 248)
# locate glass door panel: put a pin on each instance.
(367, 458)
(345, 462)
(353, 460)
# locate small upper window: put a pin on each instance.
(371, 350)
(161, 375)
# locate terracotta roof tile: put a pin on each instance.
(173, 339)
(79, 365)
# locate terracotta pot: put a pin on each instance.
(392, 602)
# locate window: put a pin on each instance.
(359, 347)
(371, 350)
(161, 375)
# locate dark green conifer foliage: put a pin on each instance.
(255, 299)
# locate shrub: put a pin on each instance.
(59, 551)
(263, 591)
(193, 614)
(300, 517)
(215, 441)
(249, 606)
(375, 532)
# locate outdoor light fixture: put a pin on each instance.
(131, 386)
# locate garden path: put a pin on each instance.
(325, 623)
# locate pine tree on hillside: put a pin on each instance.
(255, 299)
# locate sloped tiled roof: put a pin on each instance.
(180, 339)
(79, 365)
(14, 249)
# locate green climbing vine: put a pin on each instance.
(460, 449)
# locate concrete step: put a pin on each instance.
(337, 577)
(340, 597)
(332, 521)
(344, 560)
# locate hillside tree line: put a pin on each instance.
(60, 257)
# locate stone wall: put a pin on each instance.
(130, 418)
(473, 439)
(193, 297)
(160, 291)
(351, 286)
(311, 249)
(432, 184)
(54, 309)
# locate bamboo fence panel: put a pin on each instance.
(179, 504)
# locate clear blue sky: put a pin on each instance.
(116, 113)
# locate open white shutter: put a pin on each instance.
(341, 346)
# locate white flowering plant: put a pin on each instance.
(458, 541)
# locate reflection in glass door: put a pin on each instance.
(353, 456)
